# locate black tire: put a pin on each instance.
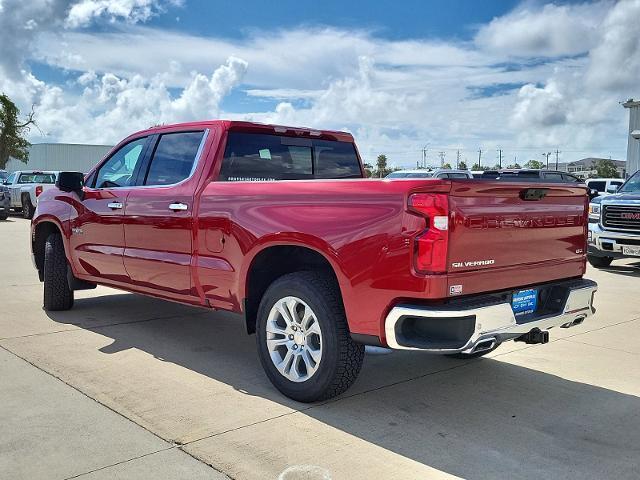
(3, 217)
(469, 356)
(57, 294)
(341, 359)
(599, 262)
(27, 208)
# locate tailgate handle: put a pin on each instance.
(533, 194)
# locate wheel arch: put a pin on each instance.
(41, 232)
(272, 261)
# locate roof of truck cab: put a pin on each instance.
(253, 127)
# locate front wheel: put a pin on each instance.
(57, 294)
(599, 262)
(303, 338)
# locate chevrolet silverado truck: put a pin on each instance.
(279, 225)
(614, 225)
(25, 186)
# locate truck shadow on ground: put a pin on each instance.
(629, 269)
(479, 419)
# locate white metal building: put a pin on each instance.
(633, 143)
(60, 156)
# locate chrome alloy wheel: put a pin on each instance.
(294, 339)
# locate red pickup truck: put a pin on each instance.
(278, 225)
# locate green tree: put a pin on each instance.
(462, 165)
(536, 164)
(514, 165)
(368, 170)
(381, 170)
(447, 165)
(476, 166)
(12, 131)
(605, 168)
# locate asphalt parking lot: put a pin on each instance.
(125, 386)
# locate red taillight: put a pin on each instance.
(430, 254)
(38, 190)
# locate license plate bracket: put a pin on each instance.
(524, 302)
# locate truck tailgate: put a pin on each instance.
(515, 233)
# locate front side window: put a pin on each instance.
(118, 170)
(174, 158)
(11, 178)
(262, 157)
(632, 185)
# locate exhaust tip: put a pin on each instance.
(484, 345)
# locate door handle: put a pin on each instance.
(114, 205)
(176, 207)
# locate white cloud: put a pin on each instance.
(581, 106)
(615, 61)
(550, 31)
(394, 95)
(85, 11)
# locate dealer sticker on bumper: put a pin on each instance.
(524, 302)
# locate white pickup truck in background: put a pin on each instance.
(25, 186)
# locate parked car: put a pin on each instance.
(485, 174)
(5, 202)
(424, 173)
(527, 174)
(3, 176)
(278, 225)
(604, 186)
(25, 186)
(614, 227)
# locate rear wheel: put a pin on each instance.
(57, 294)
(599, 262)
(303, 338)
(27, 207)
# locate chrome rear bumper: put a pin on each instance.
(486, 325)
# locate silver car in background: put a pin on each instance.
(426, 173)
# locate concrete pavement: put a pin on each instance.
(569, 409)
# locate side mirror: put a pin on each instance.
(593, 193)
(612, 189)
(70, 182)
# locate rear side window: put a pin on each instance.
(174, 158)
(457, 175)
(554, 177)
(570, 178)
(37, 178)
(260, 157)
(598, 185)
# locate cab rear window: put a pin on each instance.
(259, 157)
(37, 178)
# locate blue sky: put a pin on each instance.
(525, 77)
(390, 19)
